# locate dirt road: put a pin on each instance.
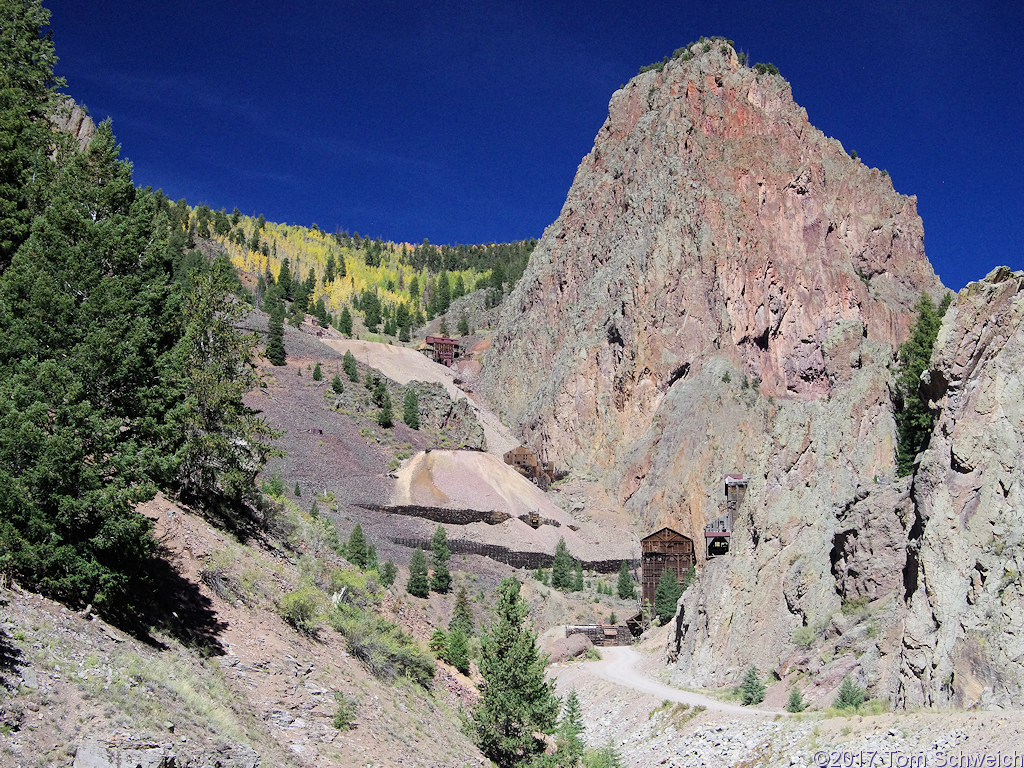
(618, 666)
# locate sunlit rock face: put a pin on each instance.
(724, 291)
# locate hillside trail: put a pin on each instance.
(618, 666)
(402, 364)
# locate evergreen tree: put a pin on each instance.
(385, 416)
(463, 325)
(345, 322)
(441, 581)
(796, 701)
(626, 588)
(913, 417)
(577, 581)
(275, 335)
(419, 581)
(570, 728)
(666, 596)
(457, 650)
(561, 567)
(329, 269)
(355, 550)
(223, 443)
(371, 557)
(752, 689)
(462, 614)
(28, 96)
(317, 373)
(459, 289)
(284, 279)
(516, 700)
(348, 363)
(336, 386)
(444, 293)
(388, 571)
(850, 695)
(411, 409)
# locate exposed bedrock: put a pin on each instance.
(724, 290)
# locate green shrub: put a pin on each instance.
(382, 646)
(359, 588)
(273, 485)
(803, 637)
(605, 757)
(344, 712)
(301, 609)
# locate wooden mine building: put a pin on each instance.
(718, 532)
(529, 465)
(443, 350)
(664, 550)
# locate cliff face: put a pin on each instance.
(724, 291)
(964, 638)
(711, 220)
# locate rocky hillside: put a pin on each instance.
(724, 291)
(963, 628)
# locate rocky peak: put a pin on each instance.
(710, 221)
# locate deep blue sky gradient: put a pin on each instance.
(464, 122)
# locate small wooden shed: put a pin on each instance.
(663, 550)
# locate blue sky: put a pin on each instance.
(465, 122)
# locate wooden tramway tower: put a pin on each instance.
(718, 532)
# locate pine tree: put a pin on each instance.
(355, 550)
(275, 335)
(516, 700)
(570, 727)
(28, 96)
(577, 580)
(345, 322)
(752, 689)
(850, 695)
(329, 269)
(457, 650)
(666, 596)
(388, 571)
(348, 363)
(626, 588)
(385, 417)
(913, 417)
(419, 582)
(796, 701)
(336, 386)
(317, 373)
(284, 279)
(441, 581)
(561, 567)
(463, 325)
(462, 614)
(411, 409)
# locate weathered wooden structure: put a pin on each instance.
(664, 550)
(718, 532)
(443, 350)
(530, 465)
(603, 634)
